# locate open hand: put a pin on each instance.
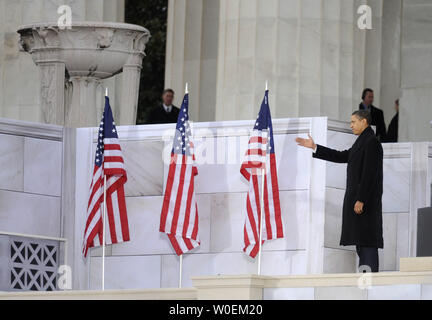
(358, 207)
(307, 143)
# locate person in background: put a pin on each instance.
(165, 112)
(392, 133)
(376, 114)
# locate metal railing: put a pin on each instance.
(29, 262)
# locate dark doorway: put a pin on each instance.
(151, 14)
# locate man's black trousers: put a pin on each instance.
(368, 256)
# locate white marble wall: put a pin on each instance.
(311, 198)
(221, 204)
(47, 171)
(31, 157)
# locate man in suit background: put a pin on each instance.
(165, 112)
(362, 205)
(376, 114)
(392, 133)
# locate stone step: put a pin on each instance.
(415, 264)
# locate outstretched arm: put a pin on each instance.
(332, 155)
(324, 153)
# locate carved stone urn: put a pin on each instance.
(73, 63)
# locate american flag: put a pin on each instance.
(179, 216)
(109, 162)
(261, 155)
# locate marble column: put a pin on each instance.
(85, 103)
(191, 54)
(416, 75)
(52, 91)
(313, 54)
(310, 51)
(300, 47)
(131, 73)
(391, 57)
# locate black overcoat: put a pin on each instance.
(364, 183)
(392, 133)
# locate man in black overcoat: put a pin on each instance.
(166, 112)
(392, 133)
(362, 207)
(377, 116)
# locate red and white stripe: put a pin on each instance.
(256, 159)
(116, 214)
(179, 216)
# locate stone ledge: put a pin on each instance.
(348, 279)
(31, 129)
(415, 264)
(152, 294)
(312, 280)
(237, 287)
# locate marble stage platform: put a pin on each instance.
(404, 285)
(46, 176)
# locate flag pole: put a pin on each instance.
(180, 271)
(261, 210)
(261, 220)
(103, 222)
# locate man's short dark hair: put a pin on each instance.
(365, 91)
(168, 90)
(363, 114)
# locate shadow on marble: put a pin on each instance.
(228, 214)
(40, 214)
(293, 165)
(426, 291)
(273, 263)
(144, 220)
(289, 293)
(12, 161)
(144, 166)
(128, 272)
(395, 292)
(336, 172)
(387, 255)
(333, 217)
(340, 293)
(339, 261)
(396, 185)
(42, 166)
